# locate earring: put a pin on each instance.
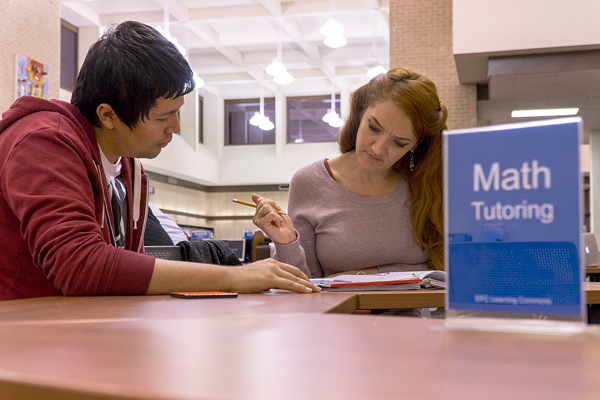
(411, 165)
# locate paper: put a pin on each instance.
(381, 281)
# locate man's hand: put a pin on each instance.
(270, 274)
(180, 276)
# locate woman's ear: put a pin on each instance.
(107, 116)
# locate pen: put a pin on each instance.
(249, 204)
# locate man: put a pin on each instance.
(161, 230)
(73, 197)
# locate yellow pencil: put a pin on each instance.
(249, 204)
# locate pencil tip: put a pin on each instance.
(235, 200)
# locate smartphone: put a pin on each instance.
(203, 295)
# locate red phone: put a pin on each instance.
(203, 295)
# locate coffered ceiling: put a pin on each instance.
(231, 42)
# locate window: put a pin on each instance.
(238, 129)
(68, 55)
(200, 119)
(305, 122)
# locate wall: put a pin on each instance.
(527, 27)
(421, 38)
(531, 24)
(216, 204)
(213, 163)
(31, 28)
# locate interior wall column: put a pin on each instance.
(595, 181)
(421, 38)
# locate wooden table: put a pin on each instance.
(275, 346)
(432, 298)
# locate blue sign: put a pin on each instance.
(202, 235)
(513, 217)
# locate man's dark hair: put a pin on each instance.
(129, 68)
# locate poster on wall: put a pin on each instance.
(32, 78)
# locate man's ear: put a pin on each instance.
(107, 116)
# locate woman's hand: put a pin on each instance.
(278, 226)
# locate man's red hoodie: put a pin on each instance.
(55, 212)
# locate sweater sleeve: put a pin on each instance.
(47, 183)
(302, 200)
(293, 254)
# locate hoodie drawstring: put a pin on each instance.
(137, 191)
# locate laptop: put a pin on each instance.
(591, 256)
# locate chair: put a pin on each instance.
(164, 252)
(261, 252)
(258, 237)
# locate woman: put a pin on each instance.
(378, 206)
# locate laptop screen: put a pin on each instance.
(591, 255)
(238, 246)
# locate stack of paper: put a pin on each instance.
(409, 280)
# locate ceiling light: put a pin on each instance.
(172, 39)
(259, 118)
(331, 27)
(332, 117)
(299, 140)
(199, 81)
(336, 121)
(275, 68)
(550, 112)
(335, 41)
(373, 72)
(329, 116)
(256, 119)
(333, 31)
(283, 78)
(266, 124)
(372, 65)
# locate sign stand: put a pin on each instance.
(513, 218)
